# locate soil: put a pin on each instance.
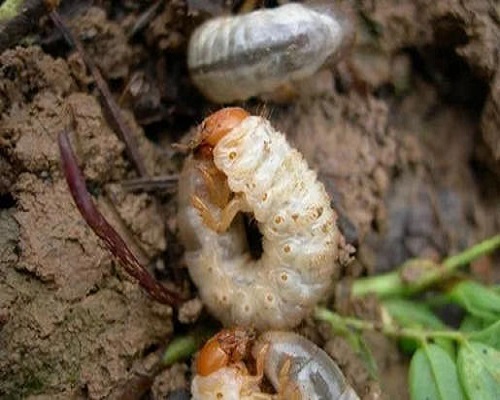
(404, 133)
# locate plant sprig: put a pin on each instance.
(446, 363)
(417, 275)
(339, 322)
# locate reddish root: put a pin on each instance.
(105, 231)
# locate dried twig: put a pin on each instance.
(18, 17)
(145, 18)
(105, 231)
(109, 102)
(164, 182)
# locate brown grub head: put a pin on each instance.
(226, 347)
(217, 125)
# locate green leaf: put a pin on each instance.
(477, 299)
(471, 323)
(447, 345)
(410, 314)
(433, 375)
(489, 336)
(413, 315)
(479, 370)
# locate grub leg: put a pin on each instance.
(259, 364)
(216, 185)
(288, 390)
(221, 222)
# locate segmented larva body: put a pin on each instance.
(234, 58)
(296, 368)
(271, 180)
(309, 372)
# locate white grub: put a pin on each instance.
(300, 239)
(296, 368)
(237, 57)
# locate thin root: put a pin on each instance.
(105, 231)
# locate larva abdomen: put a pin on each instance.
(300, 238)
(234, 58)
(287, 200)
(312, 373)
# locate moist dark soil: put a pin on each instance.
(404, 133)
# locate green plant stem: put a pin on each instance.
(340, 323)
(179, 349)
(183, 347)
(427, 273)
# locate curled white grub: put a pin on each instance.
(296, 368)
(241, 164)
(237, 57)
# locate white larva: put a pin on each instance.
(296, 368)
(310, 373)
(300, 240)
(234, 58)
